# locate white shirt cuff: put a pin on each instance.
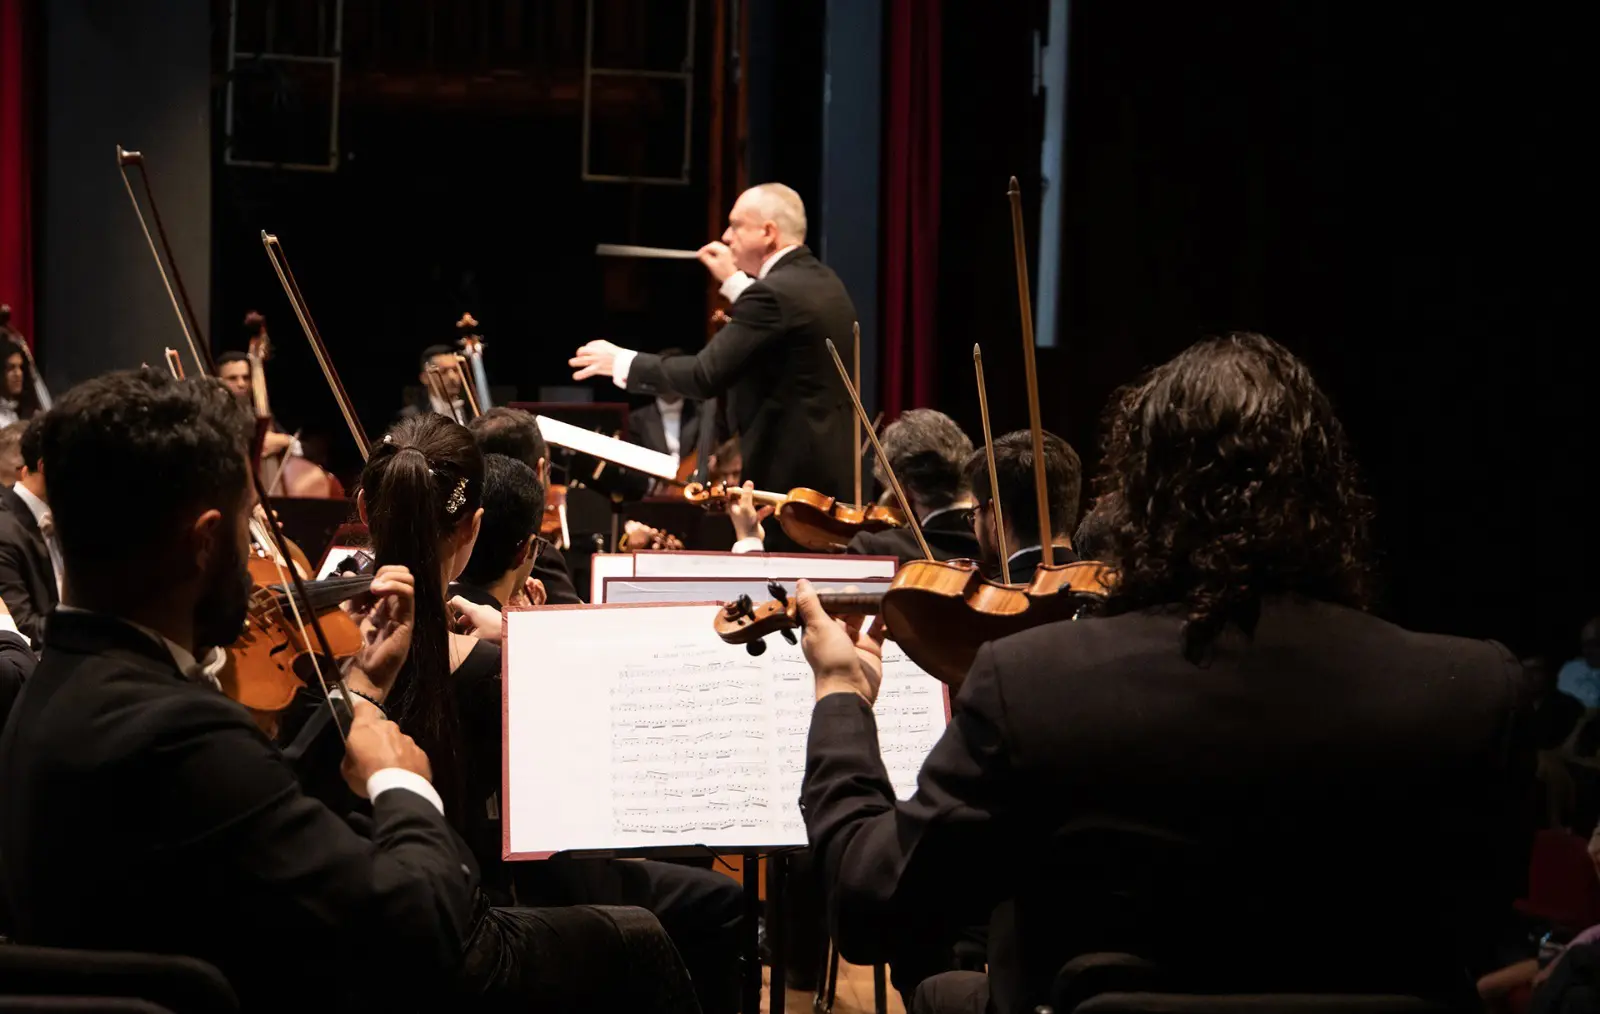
(399, 778)
(750, 544)
(620, 367)
(7, 623)
(735, 284)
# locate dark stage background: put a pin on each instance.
(1389, 192)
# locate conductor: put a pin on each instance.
(768, 365)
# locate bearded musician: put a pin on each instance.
(146, 811)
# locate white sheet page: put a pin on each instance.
(636, 727)
(840, 566)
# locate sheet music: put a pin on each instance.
(604, 565)
(634, 456)
(635, 727)
(838, 566)
(623, 590)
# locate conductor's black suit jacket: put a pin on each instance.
(777, 386)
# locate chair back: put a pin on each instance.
(171, 982)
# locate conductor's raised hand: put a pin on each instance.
(718, 260)
(842, 657)
(386, 627)
(596, 359)
(376, 743)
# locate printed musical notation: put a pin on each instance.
(671, 737)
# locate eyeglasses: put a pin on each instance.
(970, 515)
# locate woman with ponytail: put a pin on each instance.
(420, 497)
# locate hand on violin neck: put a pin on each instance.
(385, 630)
(532, 593)
(745, 515)
(843, 658)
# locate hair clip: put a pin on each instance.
(388, 438)
(457, 497)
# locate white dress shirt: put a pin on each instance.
(672, 424)
(9, 410)
(732, 288)
(449, 409)
(42, 518)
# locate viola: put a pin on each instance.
(815, 520)
(940, 613)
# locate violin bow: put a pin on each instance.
(291, 289)
(855, 439)
(883, 459)
(208, 368)
(1040, 492)
(994, 482)
(467, 394)
(189, 325)
(174, 363)
(472, 347)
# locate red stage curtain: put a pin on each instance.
(911, 205)
(16, 156)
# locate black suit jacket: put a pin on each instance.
(776, 384)
(551, 568)
(1326, 807)
(948, 534)
(17, 663)
(145, 812)
(27, 578)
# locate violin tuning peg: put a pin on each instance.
(788, 635)
(778, 592)
(743, 606)
(756, 647)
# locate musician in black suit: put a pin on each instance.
(17, 663)
(30, 575)
(775, 383)
(515, 433)
(144, 810)
(1239, 774)
(669, 424)
(1019, 502)
(929, 454)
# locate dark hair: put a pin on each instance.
(513, 502)
(9, 347)
(231, 356)
(1092, 540)
(512, 432)
(1232, 480)
(434, 350)
(116, 433)
(929, 453)
(423, 479)
(31, 437)
(1013, 466)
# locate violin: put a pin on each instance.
(271, 659)
(940, 613)
(815, 520)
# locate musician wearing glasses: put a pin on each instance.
(1018, 517)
